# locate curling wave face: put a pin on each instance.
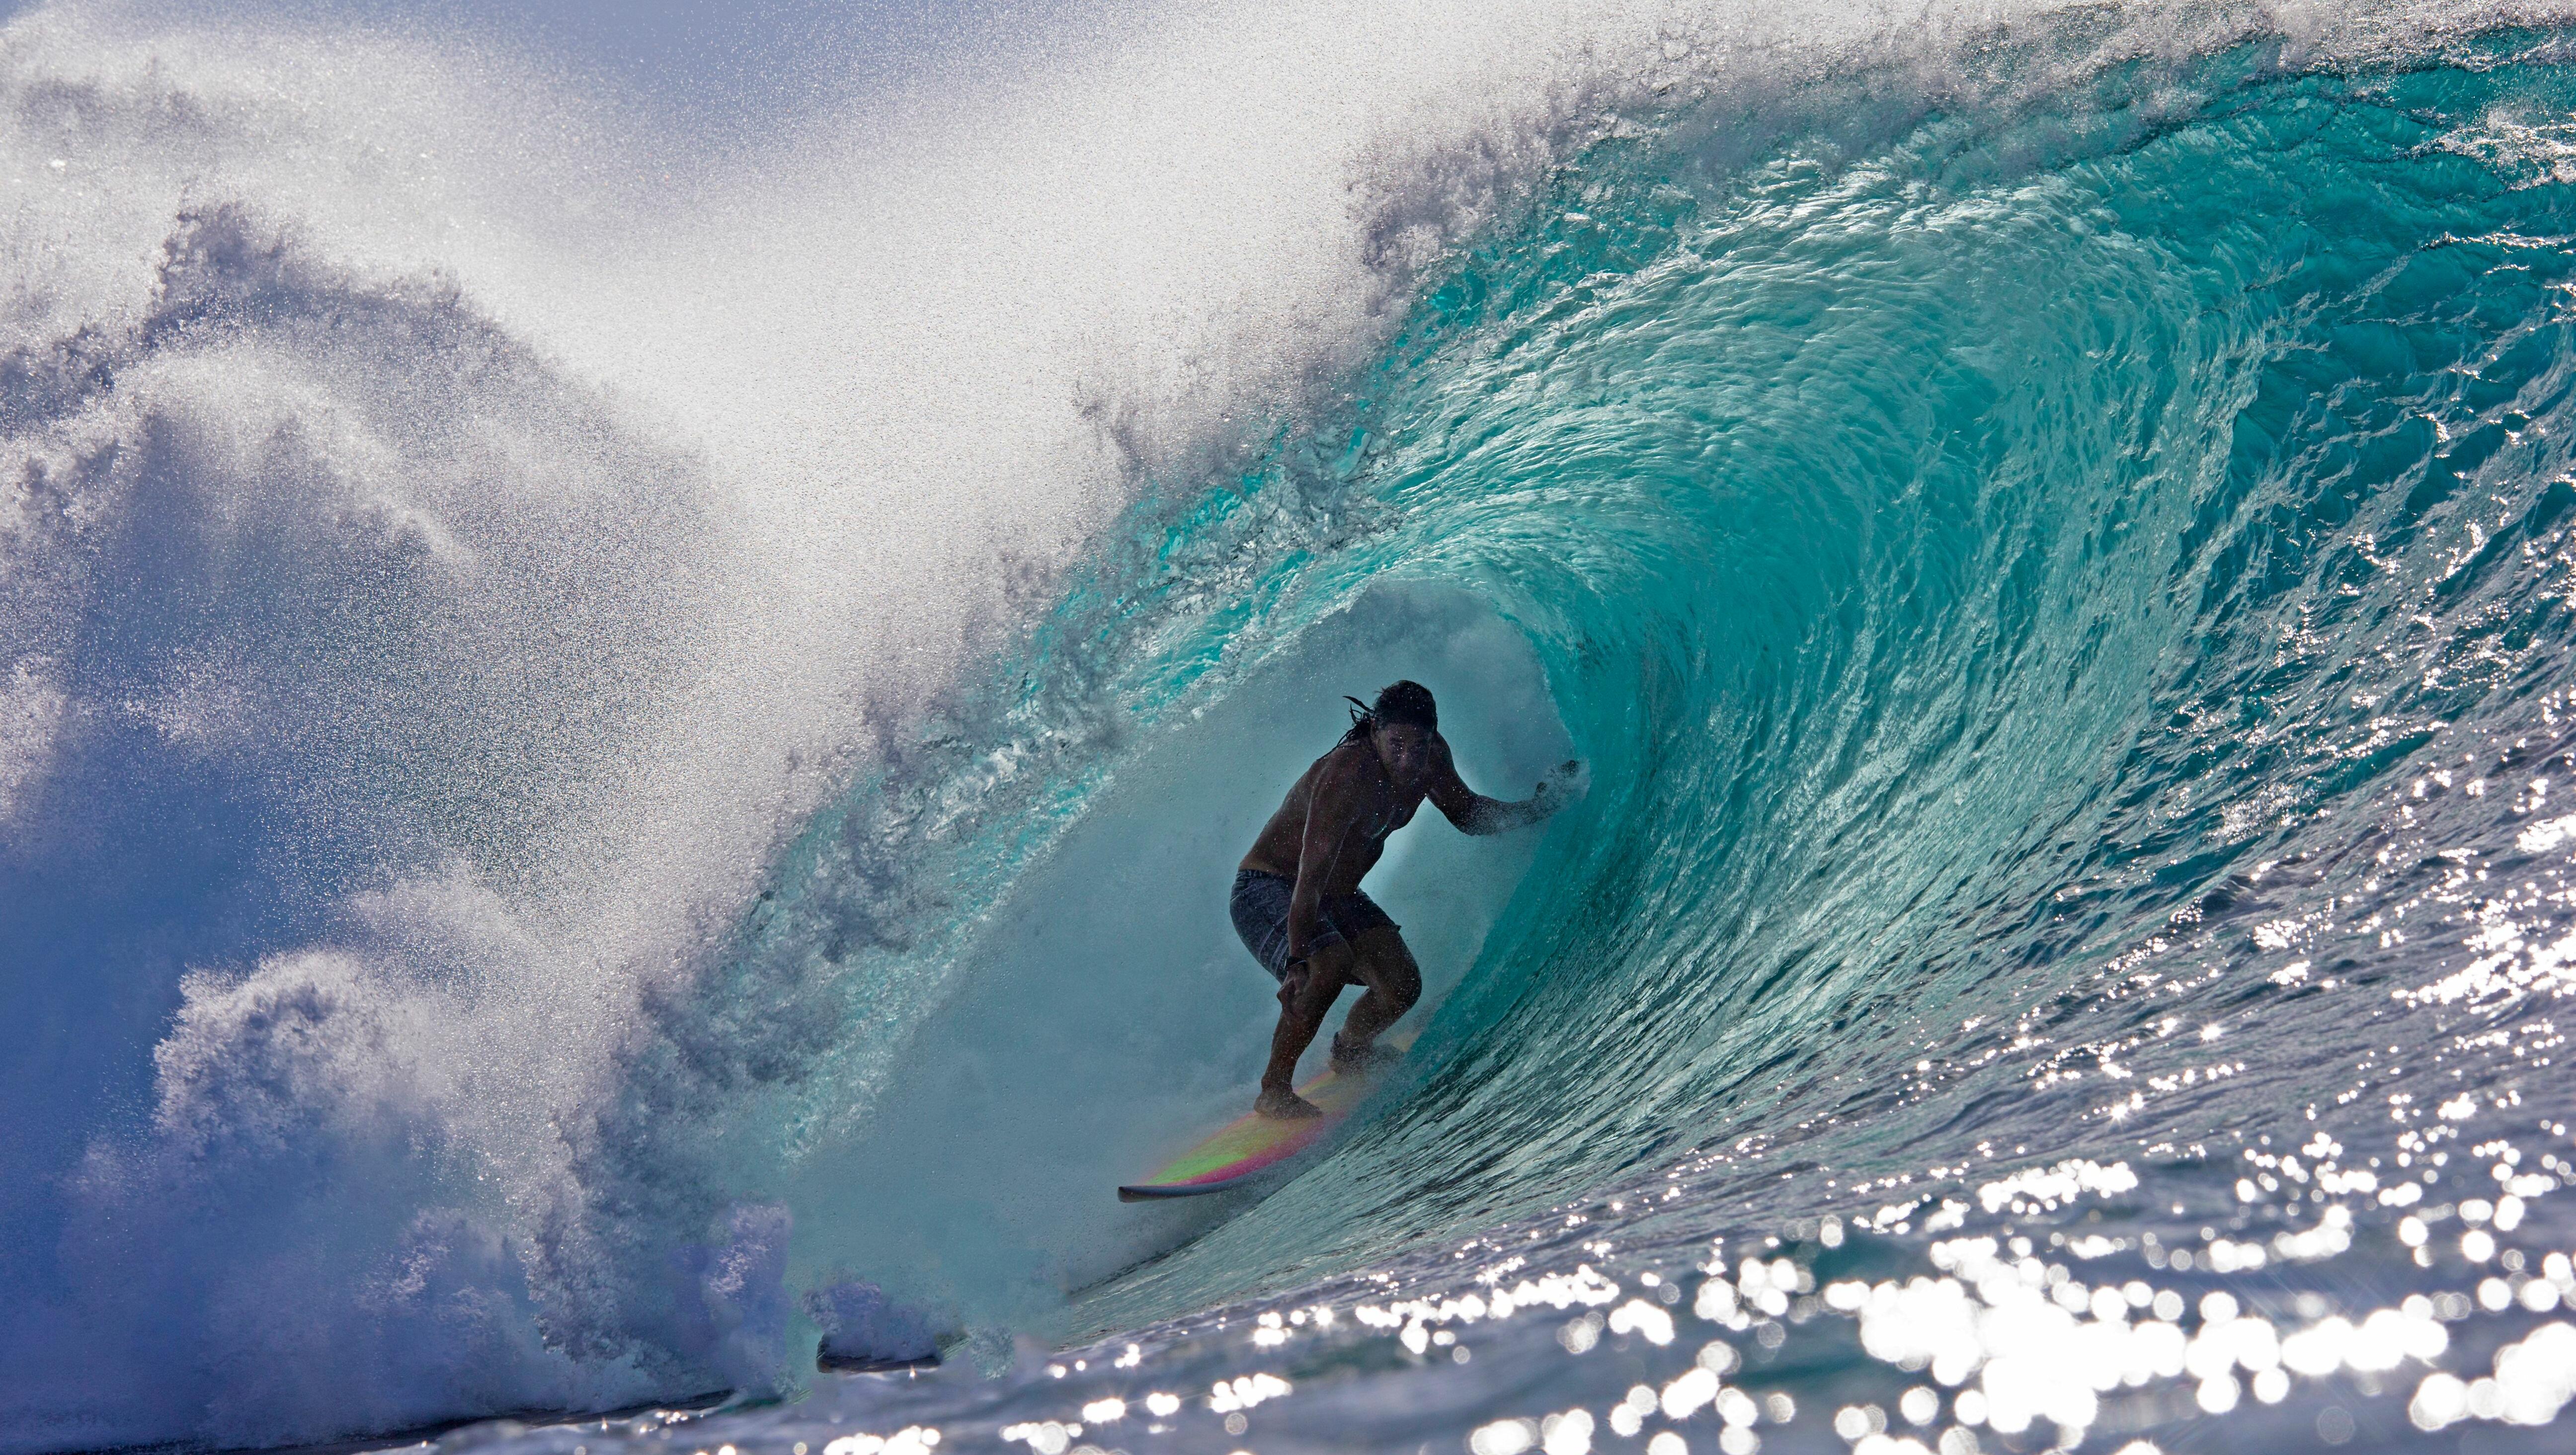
(2065, 604)
(2052, 538)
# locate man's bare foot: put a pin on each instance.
(1281, 1104)
(1362, 1060)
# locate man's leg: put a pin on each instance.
(1382, 963)
(1302, 1003)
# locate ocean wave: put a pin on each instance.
(573, 810)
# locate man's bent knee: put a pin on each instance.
(1318, 978)
(1386, 966)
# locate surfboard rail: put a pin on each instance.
(1251, 1146)
(1155, 1192)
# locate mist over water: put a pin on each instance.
(621, 735)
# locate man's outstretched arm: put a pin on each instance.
(1474, 813)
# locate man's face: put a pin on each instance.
(1404, 748)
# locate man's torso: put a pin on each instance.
(1356, 845)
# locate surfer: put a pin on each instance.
(1297, 899)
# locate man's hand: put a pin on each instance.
(1564, 783)
(1474, 813)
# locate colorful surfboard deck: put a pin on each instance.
(1253, 1144)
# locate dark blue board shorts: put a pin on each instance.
(1260, 911)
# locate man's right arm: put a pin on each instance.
(1474, 813)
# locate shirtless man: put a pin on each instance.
(1297, 901)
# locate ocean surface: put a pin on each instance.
(623, 732)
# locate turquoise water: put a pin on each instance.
(2062, 604)
(2053, 547)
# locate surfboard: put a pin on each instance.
(1244, 1149)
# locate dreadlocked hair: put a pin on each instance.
(1397, 702)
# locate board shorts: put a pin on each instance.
(1259, 907)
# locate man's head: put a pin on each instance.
(1401, 725)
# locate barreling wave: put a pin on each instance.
(2030, 586)
(1994, 561)
(544, 884)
